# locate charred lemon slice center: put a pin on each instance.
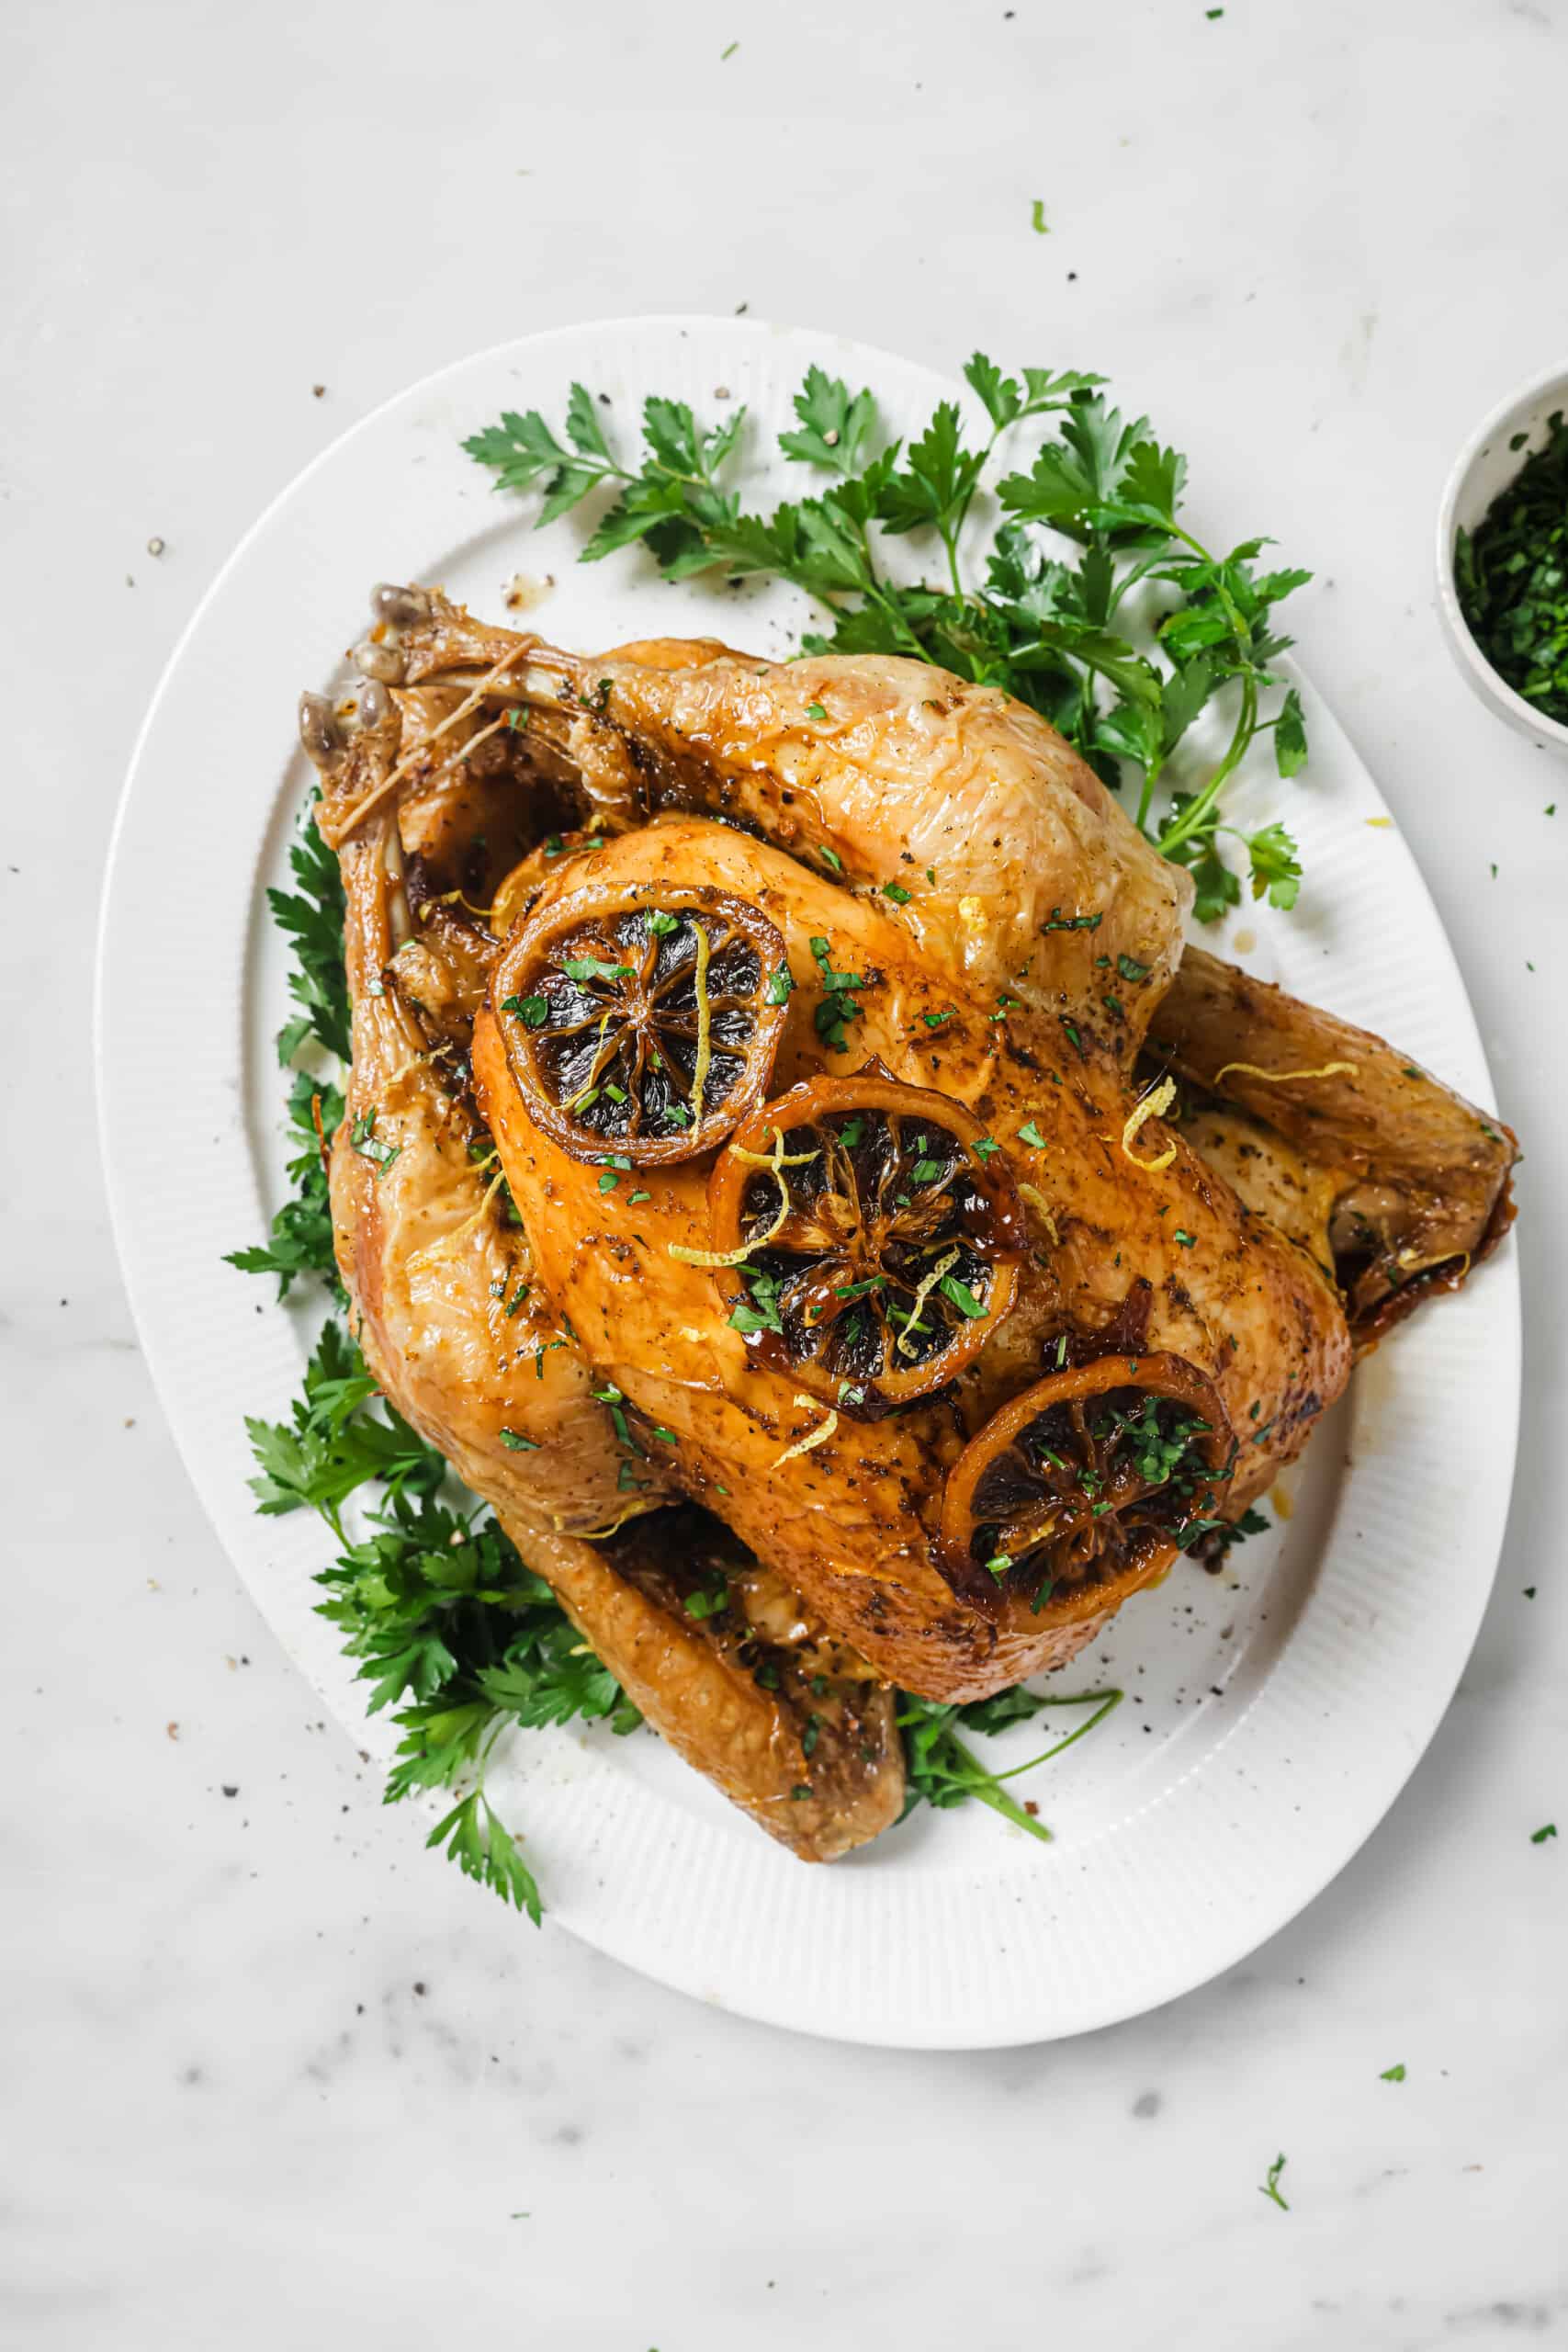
(871, 1248)
(1094, 1476)
(642, 1024)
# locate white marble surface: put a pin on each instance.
(275, 2076)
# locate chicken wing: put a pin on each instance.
(1404, 1186)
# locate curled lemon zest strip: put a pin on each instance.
(461, 899)
(1041, 1207)
(704, 1018)
(1153, 1105)
(1283, 1077)
(689, 1256)
(818, 1436)
(775, 1158)
(928, 1284)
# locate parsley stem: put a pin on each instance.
(1192, 819)
(1104, 1703)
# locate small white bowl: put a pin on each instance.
(1486, 465)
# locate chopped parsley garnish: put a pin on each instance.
(363, 1139)
(832, 857)
(963, 1297)
(595, 967)
(1512, 578)
(533, 1010)
(781, 985)
(1130, 969)
(516, 1442)
(986, 1146)
(1540, 1836)
(1098, 510)
(937, 1020)
(662, 925)
(1029, 1133)
(896, 892)
(1392, 2075)
(1270, 2187)
(1185, 1240)
(839, 1003)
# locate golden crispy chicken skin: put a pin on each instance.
(811, 1057)
(746, 1685)
(853, 1523)
(1404, 1185)
(1010, 859)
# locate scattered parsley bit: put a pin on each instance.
(1029, 1133)
(608, 1180)
(1130, 969)
(986, 1146)
(1059, 922)
(937, 1020)
(839, 1003)
(594, 967)
(534, 1011)
(814, 710)
(662, 924)
(1185, 1240)
(1540, 1836)
(963, 1297)
(832, 857)
(516, 1442)
(1392, 2075)
(363, 1139)
(781, 985)
(1271, 2187)
(1037, 218)
(633, 1198)
(896, 892)
(705, 1604)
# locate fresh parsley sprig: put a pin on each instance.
(943, 1772)
(1093, 522)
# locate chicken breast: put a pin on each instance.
(852, 1522)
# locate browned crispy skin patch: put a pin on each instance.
(1408, 1186)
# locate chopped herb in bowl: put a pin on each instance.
(1511, 574)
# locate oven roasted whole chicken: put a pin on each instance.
(821, 1179)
